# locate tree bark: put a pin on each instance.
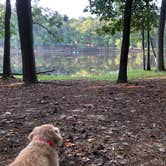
(148, 51)
(24, 14)
(154, 52)
(152, 45)
(160, 55)
(6, 58)
(143, 49)
(122, 78)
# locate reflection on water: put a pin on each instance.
(72, 59)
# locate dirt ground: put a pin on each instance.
(103, 124)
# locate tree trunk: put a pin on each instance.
(122, 78)
(152, 45)
(148, 50)
(6, 58)
(153, 49)
(24, 14)
(160, 55)
(143, 49)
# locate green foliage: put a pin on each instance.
(2, 16)
(51, 28)
(110, 27)
(82, 31)
(105, 9)
(47, 21)
(144, 14)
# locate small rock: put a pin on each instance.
(132, 111)
(78, 110)
(97, 117)
(8, 113)
(2, 131)
(163, 150)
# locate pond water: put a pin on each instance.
(69, 60)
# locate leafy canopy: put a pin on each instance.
(144, 14)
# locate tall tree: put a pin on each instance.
(112, 12)
(6, 58)
(24, 14)
(160, 55)
(143, 47)
(122, 77)
(148, 66)
(144, 19)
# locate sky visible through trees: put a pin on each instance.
(68, 9)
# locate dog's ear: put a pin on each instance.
(58, 137)
(30, 136)
(33, 133)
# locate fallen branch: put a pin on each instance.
(43, 72)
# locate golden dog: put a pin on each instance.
(42, 150)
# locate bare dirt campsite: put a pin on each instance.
(102, 124)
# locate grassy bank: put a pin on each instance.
(132, 75)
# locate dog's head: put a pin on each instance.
(47, 132)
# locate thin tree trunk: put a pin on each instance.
(153, 49)
(6, 58)
(143, 49)
(122, 78)
(148, 50)
(26, 38)
(160, 55)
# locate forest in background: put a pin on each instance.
(51, 28)
(109, 29)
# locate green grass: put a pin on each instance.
(110, 77)
(140, 74)
(132, 75)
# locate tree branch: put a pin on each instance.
(48, 31)
(42, 72)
